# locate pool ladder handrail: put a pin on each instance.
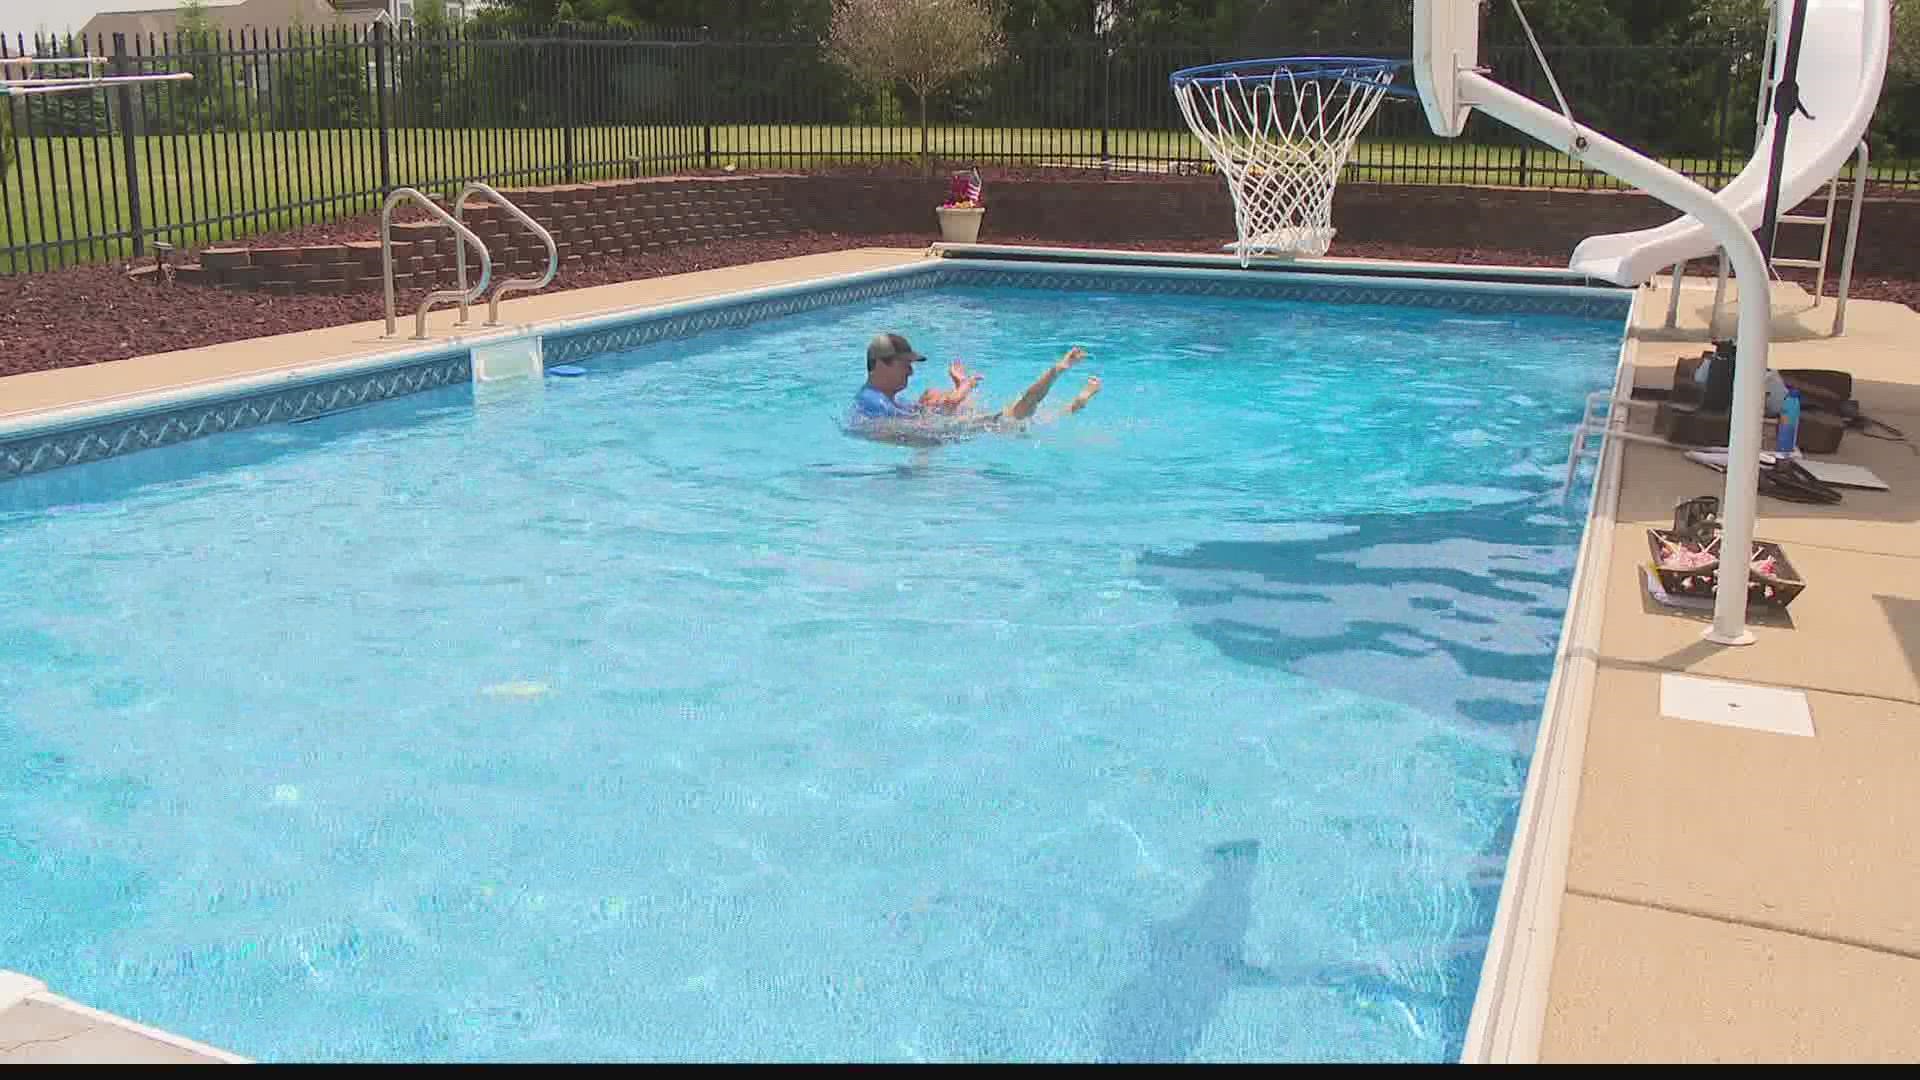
(464, 295)
(1611, 424)
(511, 285)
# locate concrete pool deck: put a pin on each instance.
(37, 390)
(1730, 895)
(1736, 895)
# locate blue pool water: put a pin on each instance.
(652, 717)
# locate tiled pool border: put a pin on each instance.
(40, 442)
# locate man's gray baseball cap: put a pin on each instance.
(885, 347)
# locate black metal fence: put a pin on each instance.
(281, 128)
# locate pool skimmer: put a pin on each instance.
(1741, 705)
(517, 357)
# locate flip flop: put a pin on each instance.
(1788, 481)
(1782, 483)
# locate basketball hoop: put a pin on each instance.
(28, 84)
(1281, 131)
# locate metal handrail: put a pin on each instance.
(1861, 166)
(512, 285)
(462, 294)
(1862, 163)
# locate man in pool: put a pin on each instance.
(938, 416)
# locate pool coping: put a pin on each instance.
(1320, 265)
(61, 1020)
(1505, 1023)
(1510, 1007)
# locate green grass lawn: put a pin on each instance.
(73, 192)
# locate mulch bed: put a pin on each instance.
(89, 314)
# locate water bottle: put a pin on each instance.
(1788, 436)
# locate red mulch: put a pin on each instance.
(89, 314)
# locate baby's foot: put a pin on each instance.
(1085, 395)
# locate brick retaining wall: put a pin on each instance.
(587, 221)
(620, 216)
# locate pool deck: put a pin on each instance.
(1730, 895)
(39, 390)
(1736, 895)
(42, 1028)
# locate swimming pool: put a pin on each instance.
(647, 716)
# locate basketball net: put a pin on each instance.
(1281, 137)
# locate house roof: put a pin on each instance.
(158, 7)
(139, 18)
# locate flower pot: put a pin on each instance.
(960, 224)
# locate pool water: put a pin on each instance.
(649, 716)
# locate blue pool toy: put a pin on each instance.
(566, 370)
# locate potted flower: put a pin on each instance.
(960, 215)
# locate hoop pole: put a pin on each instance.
(1750, 367)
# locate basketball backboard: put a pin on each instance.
(1446, 39)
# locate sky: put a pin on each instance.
(60, 16)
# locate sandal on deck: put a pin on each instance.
(1789, 481)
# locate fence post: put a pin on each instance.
(566, 97)
(1720, 132)
(129, 155)
(1106, 103)
(380, 106)
(706, 102)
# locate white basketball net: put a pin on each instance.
(1282, 137)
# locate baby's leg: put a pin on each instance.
(1085, 395)
(1024, 406)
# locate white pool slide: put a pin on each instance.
(1843, 61)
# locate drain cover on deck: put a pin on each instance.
(1731, 704)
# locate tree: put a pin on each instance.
(1726, 23)
(1896, 124)
(925, 44)
(1741, 24)
(77, 113)
(425, 64)
(430, 16)
(7, 151)
(324, 84)
(720, 18)
(205, 102)
(1056, 17)
(1906, 40)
